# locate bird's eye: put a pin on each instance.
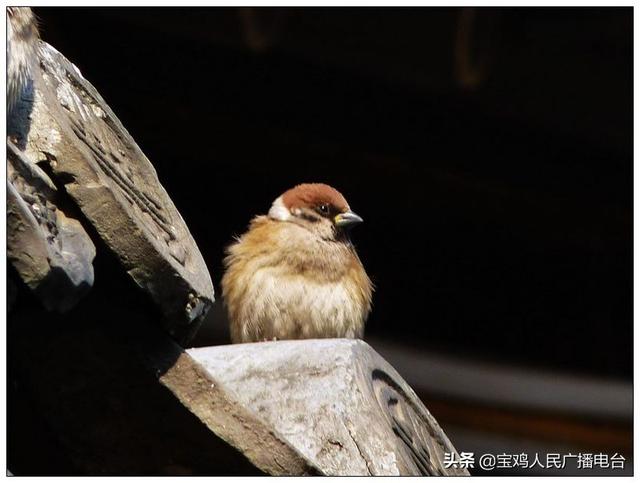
(323, 208)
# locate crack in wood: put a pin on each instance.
(364, 458)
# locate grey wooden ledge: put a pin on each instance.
(338, 402)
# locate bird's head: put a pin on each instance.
(317, 207)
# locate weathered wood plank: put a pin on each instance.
(74, 132)
(336, 400)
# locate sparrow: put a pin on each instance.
(22, 41)
(295, 273)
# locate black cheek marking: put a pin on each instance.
(310, 217)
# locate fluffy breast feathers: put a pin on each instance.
(280, 282)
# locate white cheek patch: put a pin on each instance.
(278, 211)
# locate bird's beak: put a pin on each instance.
(347, 219)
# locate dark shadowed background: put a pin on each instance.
(488, 150)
